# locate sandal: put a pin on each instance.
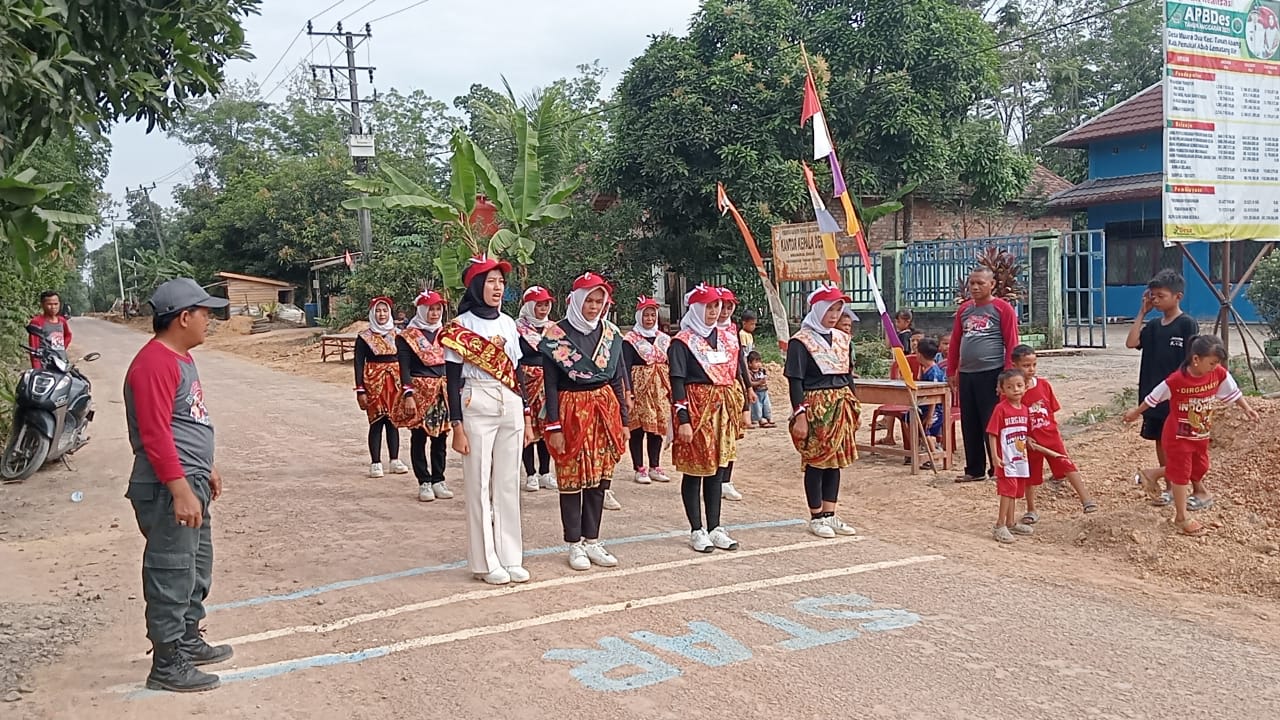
(1191, 528)
(1162, 500)
(1030, 518)
(1090, 506)
(1196, 504)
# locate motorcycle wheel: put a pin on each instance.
(24, 455)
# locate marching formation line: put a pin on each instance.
(527, 587)
(283, 667)
(459, 564)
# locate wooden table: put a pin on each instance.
(337, 344)
(896, 392)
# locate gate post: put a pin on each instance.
(891, 275)
(1046, 275)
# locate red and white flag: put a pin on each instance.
(351, 263)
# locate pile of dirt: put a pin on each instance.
(358, 326)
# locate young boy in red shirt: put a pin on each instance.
(1194, 392)
(1007, 440)
(1042, 406)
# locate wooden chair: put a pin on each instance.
(895, 411)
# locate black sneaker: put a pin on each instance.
(200, 652)
(171, 670)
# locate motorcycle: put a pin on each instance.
(52, 411)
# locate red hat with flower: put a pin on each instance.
(537, 294)
(381, 299)
(429, 297)
(702, 294)
(643, 302)
(828, 293)
(727, 295)
(483, 264)
(590, 281)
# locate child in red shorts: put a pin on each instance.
(1042, 405)
(1007, 440)
(1195, 392)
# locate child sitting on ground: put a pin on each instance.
(1008, 441)
(930, 415)
(1194, 392)
(761, 407)
(1042, 404)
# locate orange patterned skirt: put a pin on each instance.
(537, 394)
(715, 412)
(833, 416)
(381, 389)
(594, 439)
(433, 407)
(651, 410)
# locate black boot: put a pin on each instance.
(200, 652)
(172, 671)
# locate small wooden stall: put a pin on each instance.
(247, 293)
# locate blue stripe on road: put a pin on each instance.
(458, 565)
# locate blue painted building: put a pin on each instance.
(1121, 197)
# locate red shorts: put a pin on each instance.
(1010, 487)
(1185, 461)
(1059, 467)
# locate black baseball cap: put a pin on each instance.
(182, 293)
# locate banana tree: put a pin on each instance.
(890, 205)
(521, 205)
(33, 232)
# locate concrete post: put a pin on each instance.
(1046, 281)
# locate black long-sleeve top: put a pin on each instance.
(685, 370)
(364, 354)
(556, 380)
(803, 373)
(417, 368)
(529, 355)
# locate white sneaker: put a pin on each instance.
(611, 502)
(425, 493)
(399, 468)
(729, 492)
(721, 540)
(599, 556)
(819, 527)
(1021, 529)
(700, 541)
(375, 470)
(548, 481)
(1002, 534)
(657, 474)
(531, 483)
(497, 577)
(642, 476)
(578, 559)
(840, 526)
(518, 574)
(441, 490)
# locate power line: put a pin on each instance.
(353, 12)
(397, 12)
(293, 42)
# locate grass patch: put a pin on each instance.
(1267, 382)
(1119, 403)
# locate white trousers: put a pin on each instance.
(493, 417)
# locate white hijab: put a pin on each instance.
(694, 318)
(527, 313)
(385, 330)
(727, 322)
(573, 313)
(643, 331)
(420, 320)
(813, 320)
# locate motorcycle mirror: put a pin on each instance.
(91, 357)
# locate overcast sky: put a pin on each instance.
(440, 46)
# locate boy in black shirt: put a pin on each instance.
(1163, 342)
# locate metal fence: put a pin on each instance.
(933, 272)
(853, 280)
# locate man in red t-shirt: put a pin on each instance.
(49, 329)
(172, 484)
(1042, 405)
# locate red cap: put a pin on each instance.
(537, 294)
(727, 295)
(429, 297)
(381, 299)
(481, 265)
(590, 281)
(702, 294)
(643, 302)
(828, 293)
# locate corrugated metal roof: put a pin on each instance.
(1141, 113)
(1101, 191)
(254, 279)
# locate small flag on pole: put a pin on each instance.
(351, 263)
(811, 108)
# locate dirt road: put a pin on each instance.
(346, 598)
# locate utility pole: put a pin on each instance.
(115, 245)
(145, 192)
(359, 144)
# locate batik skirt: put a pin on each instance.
(715, 412)
(594, 440)
(651, 410)
(381, 389)
(536, 392)
(433, 407)
(833, 417)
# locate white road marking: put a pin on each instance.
(575, 579)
